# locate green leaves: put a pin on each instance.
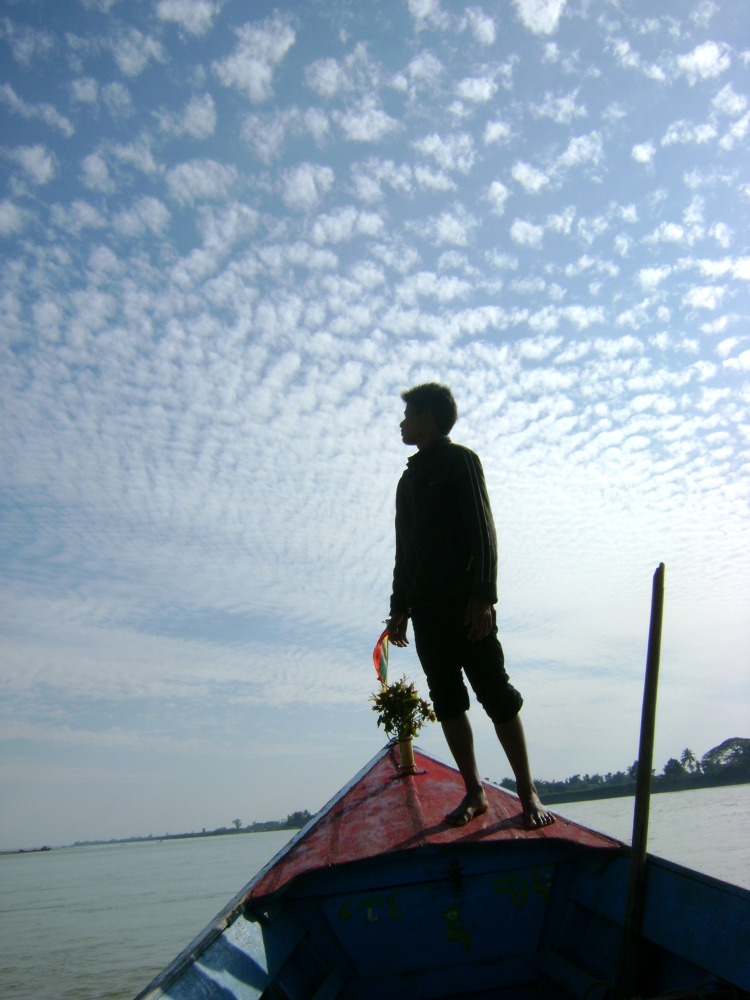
(401, 711)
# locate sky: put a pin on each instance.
(232, 235)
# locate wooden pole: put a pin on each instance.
(628, 972)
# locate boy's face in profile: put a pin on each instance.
(416, 427)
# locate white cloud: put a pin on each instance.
(477, 89)
(544, 320)
(454, 227)
(195, 16)
(528, 286)
(685, 132)
(267, 133)
(451, 152)
(727, 102)
(502, 261)
(344, 224)
(735, 267)
(370, 177)
(630, 59)
(85, 90)
(147, 216)
(37, 162)
(643, 152)
(497, 195)
(740, 363)
(497, 131)
(668, 232)
(425, 68)
(96, 174)
(706, 61)
(197, 180)
(77, 216)
(433, 180)
(650, 278)
(428, 14)
(222, 227)
(27, 43)
(326, 77)
(12, 218)
(716, 326)
(138, 155)
(580, 150)
(727, 346)
(540, 16)
(582, 317)
(592, 228)
(303, 187)
(704, 297)
(736, 133)
(587, 264)
(260, 49)
(117, 99)
(481, 25)
(722, 233)
(133, 51)
(48, 318)
(530, 179)
(366, 123)
(527, 233)
(561, 222)
(428, 285)
(44, 112)
(197, 120)
(562, 110)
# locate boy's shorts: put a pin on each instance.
(444, 650)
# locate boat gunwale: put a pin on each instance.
(243, 903)
(235, 907)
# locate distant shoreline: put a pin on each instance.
(658, 786)
(270, 827)
(31, 850)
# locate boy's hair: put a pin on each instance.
(438, 399)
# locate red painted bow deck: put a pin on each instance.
(380, 811)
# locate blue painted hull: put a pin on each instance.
(511, 918)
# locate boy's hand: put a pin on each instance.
(397, 630)
(478, 617)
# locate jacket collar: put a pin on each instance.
(425, 453)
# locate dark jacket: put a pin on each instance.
(446, 545)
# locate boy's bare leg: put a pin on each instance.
(513, 740)
(460, 739)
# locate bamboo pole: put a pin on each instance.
(628, 972)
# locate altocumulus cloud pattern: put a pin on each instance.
(232, 234)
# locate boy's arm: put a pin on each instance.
(474, 503)
(399, 613)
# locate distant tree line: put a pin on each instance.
(294, 821)
(728, 763)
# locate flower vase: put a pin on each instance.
(406, 756)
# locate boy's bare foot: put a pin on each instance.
(535, 815)
(473, 804)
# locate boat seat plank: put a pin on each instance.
(575, 981)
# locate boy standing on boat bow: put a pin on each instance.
(445, 580)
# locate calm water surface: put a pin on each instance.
(101, 922)
(707, 829)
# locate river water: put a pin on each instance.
(100, 922)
